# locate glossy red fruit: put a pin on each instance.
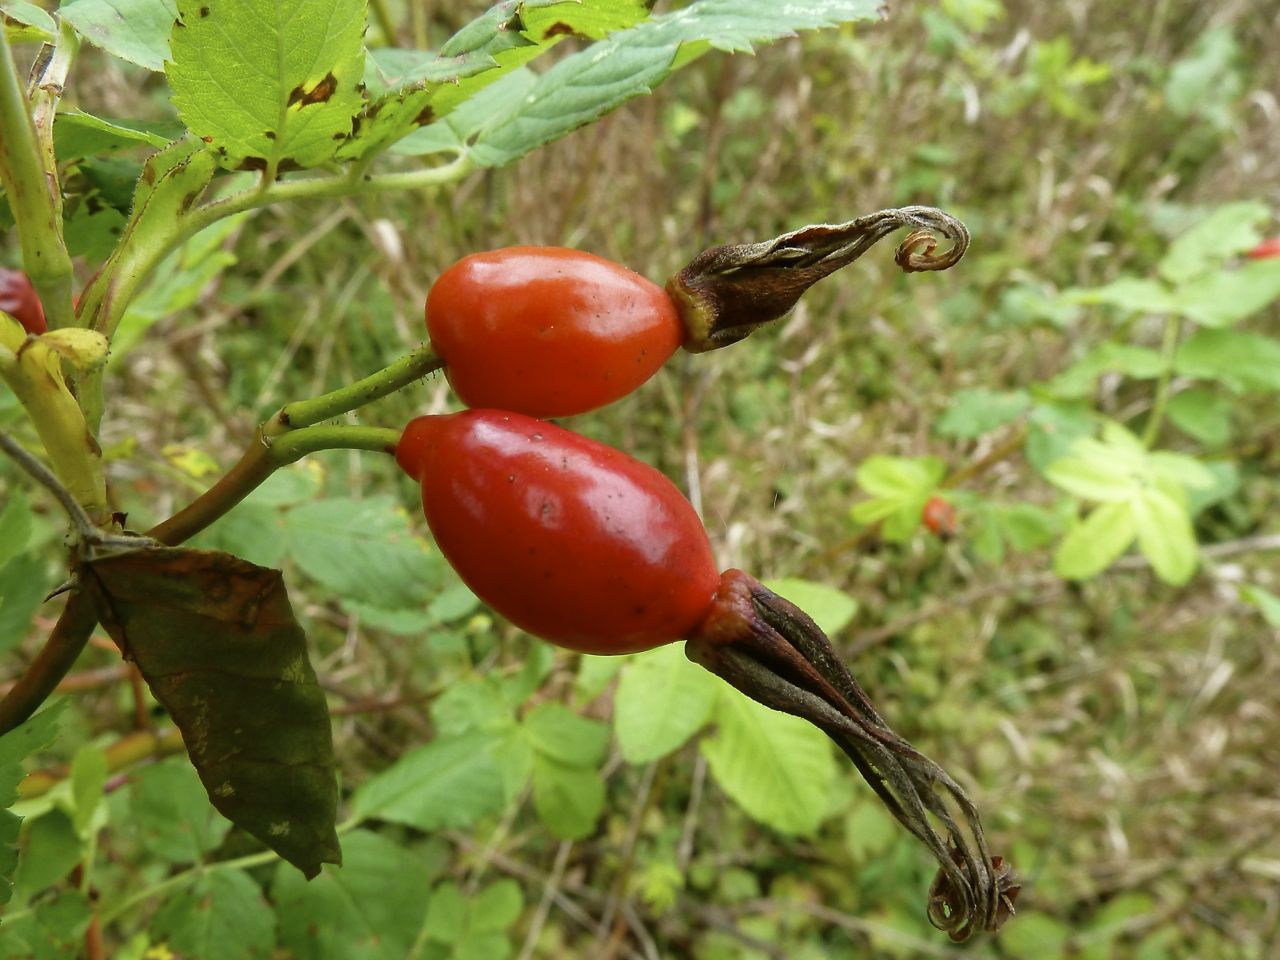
(1266, 250)
(940, 517)
(19, 299)
(547, 331)
(567, 538)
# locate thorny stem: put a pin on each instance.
(773, 652)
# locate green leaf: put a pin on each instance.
(522, 111)
(899, 477)
(133, 30)
(449, 782)
(497, 907)
(216, 641)
(1203, 414)
(1127, 293)
(1226, 297)
(556, 731)
(1244, 361)
(1095, 477)
(26, 23)
(88, 777)
(831, 609)
(662, 701)
(1226, 483)
(1039, 935)
(1026, 526)
(171, 815)
(371, 908)
(473, 705)
(1226, 232)
(15, 746)
(268, 84)
(51, 849)
(1267, 603)
(15, 527)
(365, 550)
(1080, 378)
(77, 135)
(777, 767)
(594, 675)
(972, 413)
(55, 930)
(221, 916)
(1181, 470)
(569, 800)
(447, 914)
(1094, 544)
(1165, 535)
(1055, 427)
(24, 581)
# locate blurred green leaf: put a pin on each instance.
(1228, 230)
(594, 676)
(24, 581)
(662, 701)
(569, 800)
(1098, 541)
(777, 767)
(1243, 361)
(372, 908)
(52, 848)
(1037, 935)
(497, 906)
(171, 813)
(1128, 293)
(1165, 536)
(449, 782)
(556, 731)
(1225, 297)
(53, 930)
(221, 916)
(1080, 379)
(971, 413)
(88, 777)
(1203, 414)
(1055, 427)
(15, 746)
(15, 527)
(1268, 603)
(1092, 477)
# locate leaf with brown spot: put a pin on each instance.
(217, 642)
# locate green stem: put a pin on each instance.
(31, 189)
(1168, 349)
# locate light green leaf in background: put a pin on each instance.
(971, 413)
(1249, 362)
(1094, 544)
(1202, 413)
(449, 782)
(777, 767)
(1267, 603)
(1225, 297)
(1092, 477)
(1080, 379)
(1165, 535)
(662, 701)
(268, 84)
(891, 477)
(556, 731)
(15, 746)
(372, 908)
(831, 609)
(1128, 293)
(133, 30)
(171, 814)
(1226, 232)
(221, 916)
(569, 799)
(24, 581)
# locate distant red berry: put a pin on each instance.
(940, 517)
(1266, 250)
(19, 299)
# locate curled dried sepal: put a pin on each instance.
(773, 652)
(943, 896)
(725, 293)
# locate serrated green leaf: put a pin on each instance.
(662, 701)
(777, 767)
(831, 609)
(556, 731)
(449, 782)
(133, 30)
(1094, 544)
(54, 930)
(971, 413)
(524, 111)
(221, 916)
(216, 641)
(15, 746)
(1128, 293)
(569, 800)
(364, 550)
(268, 84)
(1165, 535)
(1202, 413)
(1244, 361)
(171, 813)
(371, 908)
(1225, 297)
(1229, 230)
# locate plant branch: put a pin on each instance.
(1168, 348)
(44, 476)
(46, 671)
(31, 188)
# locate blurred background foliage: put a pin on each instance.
(1119, 733)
